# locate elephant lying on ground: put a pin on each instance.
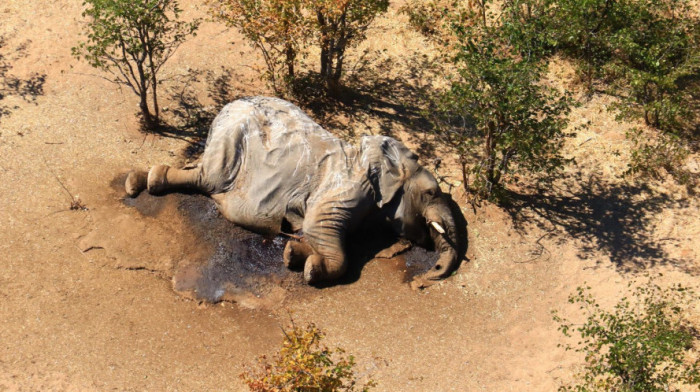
(270, 168)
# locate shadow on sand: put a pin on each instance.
(187, 117)
(375, 97)
(27, 89)
(616, 219)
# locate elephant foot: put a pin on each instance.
(313, 269)
(136, 182)
(156, 179)
(295, 254)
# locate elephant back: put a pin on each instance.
(271, 153)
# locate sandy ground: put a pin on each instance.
(87, 299)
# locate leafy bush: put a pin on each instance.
(497, 115)
(651, 157)
(132, 40)
(278, 28)
(647, 53)
(283, 29)
(304, 365)
(644, 344)
(652, 58)
(426, 16)
(583, 29)
(644, 48)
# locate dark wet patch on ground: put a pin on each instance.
(418, 261)
(236, 263)
(371, 242)
(144, 203)
(117, 183)
(239, 259)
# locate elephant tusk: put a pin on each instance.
(437, 227)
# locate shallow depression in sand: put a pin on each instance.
(239, 264)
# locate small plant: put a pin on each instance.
(132, 39)
(666, 154)
(644, 344)
(304, 365)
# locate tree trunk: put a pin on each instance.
(156, 110)
(290, 54)
(143, 94)
(147, 117)
(647, 116)
(324, 58)
(339, 50)
(339, 65)
(490, 158)
(465, 180)
(325, 44)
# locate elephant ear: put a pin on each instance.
(388, 163)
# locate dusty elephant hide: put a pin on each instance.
(271, 160)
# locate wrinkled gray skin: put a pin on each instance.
(268, 165)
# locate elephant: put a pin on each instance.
(271, 169)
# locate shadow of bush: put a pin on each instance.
(27, 89)
(373, 97)
(616, 219)
(187, 117)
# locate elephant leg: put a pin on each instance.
(296, 253)
(327, 263)
(162, 179)
(317, 269)
(237, 207)
(325, 230)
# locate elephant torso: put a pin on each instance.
(265, 160)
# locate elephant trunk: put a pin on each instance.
(443, 231)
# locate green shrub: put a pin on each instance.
(583, 30)
(498, 116)
(652, 157)
(132, 39)
(654, 53)
(647, 53)
(644, 344)
(304, 365)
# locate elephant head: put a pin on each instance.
(411, 199)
